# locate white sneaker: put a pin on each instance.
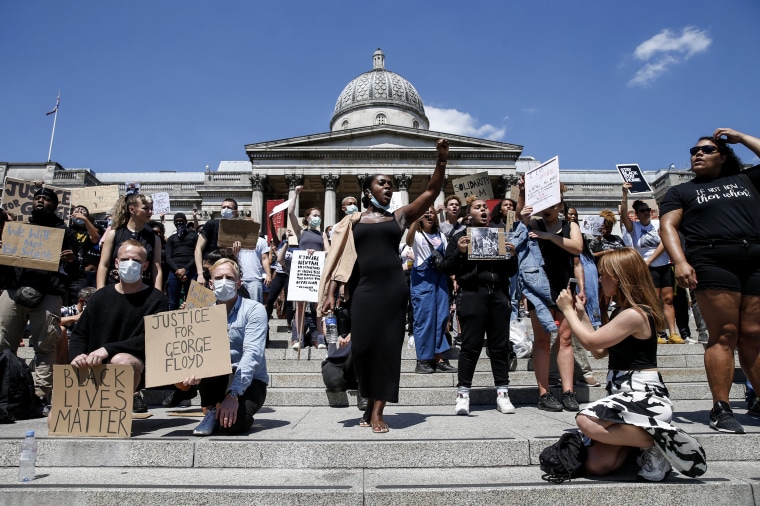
(296, 345)
(463, 404)
(208, 424)
(653, 465)
(321, 346)
(503, 404)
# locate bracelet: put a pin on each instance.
(442, 162)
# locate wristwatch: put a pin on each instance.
(232, 394)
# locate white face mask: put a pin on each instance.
(315, 222)
(130, 271)
(351, 209)
(227, 213)
(224, 289)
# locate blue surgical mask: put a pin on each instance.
(378, 204)
(78, 221)
(130, 271)
(315, 222)
(227, 213)
(351, 209)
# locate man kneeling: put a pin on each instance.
(232, 400)
(110, 329)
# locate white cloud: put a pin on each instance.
(461, 123)
(665, 50)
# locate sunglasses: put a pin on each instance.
(707, 149)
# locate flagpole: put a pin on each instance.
(55, 118)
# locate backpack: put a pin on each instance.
(564, 459)
(18, 400)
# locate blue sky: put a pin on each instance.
(178, 85)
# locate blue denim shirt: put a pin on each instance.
(533, 281)
(247, 328)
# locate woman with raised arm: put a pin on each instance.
(364, 255)
(637, 412)
(717, 213)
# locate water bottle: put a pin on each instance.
(27, 457)
(331, 327)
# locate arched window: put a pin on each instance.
(380, 119)
(415, 124)
(344, 125)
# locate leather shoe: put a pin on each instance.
(424, 367)
(444, 366)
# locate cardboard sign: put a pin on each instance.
(477, 184)
(631, 173)
(591, 225)
(199, 296)
(514, 192)
(542, 186)
(97, 199)
(305, 271)
(161, 203)
(32, 246)
(94, 401)
(184, 343)
(486, 243)
(18, 198)
(245, 231)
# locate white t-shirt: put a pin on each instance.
(421, 247)
(645, 240)
(250, 261)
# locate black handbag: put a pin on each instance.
(28, 296)
(436, 259)
(343, 316)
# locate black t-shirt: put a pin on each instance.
(722, 209)
(210, 231)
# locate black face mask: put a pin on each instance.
(44, 217)
(181, 229)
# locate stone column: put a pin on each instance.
(361, 178)
(330, 182)
(402, 182)
(257, 200)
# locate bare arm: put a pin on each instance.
(573, 244)
(158, 274)
(412, 232)
(292, 214)
(199, 245)
(734, 137)
(627, 223)
(106, 251)
(418, 206)
(669, 225)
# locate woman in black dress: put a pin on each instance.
(378, 290)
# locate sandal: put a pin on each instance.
(364, 423)
(379, 427)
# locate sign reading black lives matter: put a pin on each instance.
(478, 185)
(18, 198)
(631, 173)
(305, 271)
(92, 401)
(184, 343)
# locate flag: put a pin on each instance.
(55, 109)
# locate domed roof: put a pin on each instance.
(379, 87)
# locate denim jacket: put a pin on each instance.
(531, 276)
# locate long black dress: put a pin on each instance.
(378, 304)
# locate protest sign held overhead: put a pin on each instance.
(631, 173)
(245, 231)
(93, 401)
(184, 343)
(18, 198)
(161, 203)
(97, 199)
(31, 246)
(542, 187)
(478, 185)
(305, 271)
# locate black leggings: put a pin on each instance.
(213, 390)
(279, 283)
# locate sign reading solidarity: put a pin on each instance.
(18, 198)
(184, 343)
(31, 246)
(305, 271)
(542, 186)
(477, 184)
(94, 401)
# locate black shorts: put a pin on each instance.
(732, 267)
(662, 276)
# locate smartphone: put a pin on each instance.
(573, 285)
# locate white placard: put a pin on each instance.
(591, 225)
(305, 271)
(542, 186)
(395, 202)
(160, 203)
(280, 207)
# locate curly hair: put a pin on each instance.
(732, 165)
(609, 219)
(121, 212)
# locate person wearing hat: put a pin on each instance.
(180, 256)
(35, 297)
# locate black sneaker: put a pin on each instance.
(444, 366)
(424, 367)
(547, 402)
(722, 419)
(569, 402)
(138, 404)
(178, 396)
(753, 408)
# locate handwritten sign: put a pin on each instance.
(486, 243)
(631, 173)
(245, 231)
(476, 184)
(592, 225)
(305, 271)
(199, 296)
(18, 198)
(32, 246)
(94, 401)
(542, 186)
(514, 192)
(161, 203)
(97, 199)
(184, 343)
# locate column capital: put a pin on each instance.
(293, 180)
(257, 182)
(330, 181)
(403, 181)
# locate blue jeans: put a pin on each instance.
(255, 289)
(430, 302)
(174, 288)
